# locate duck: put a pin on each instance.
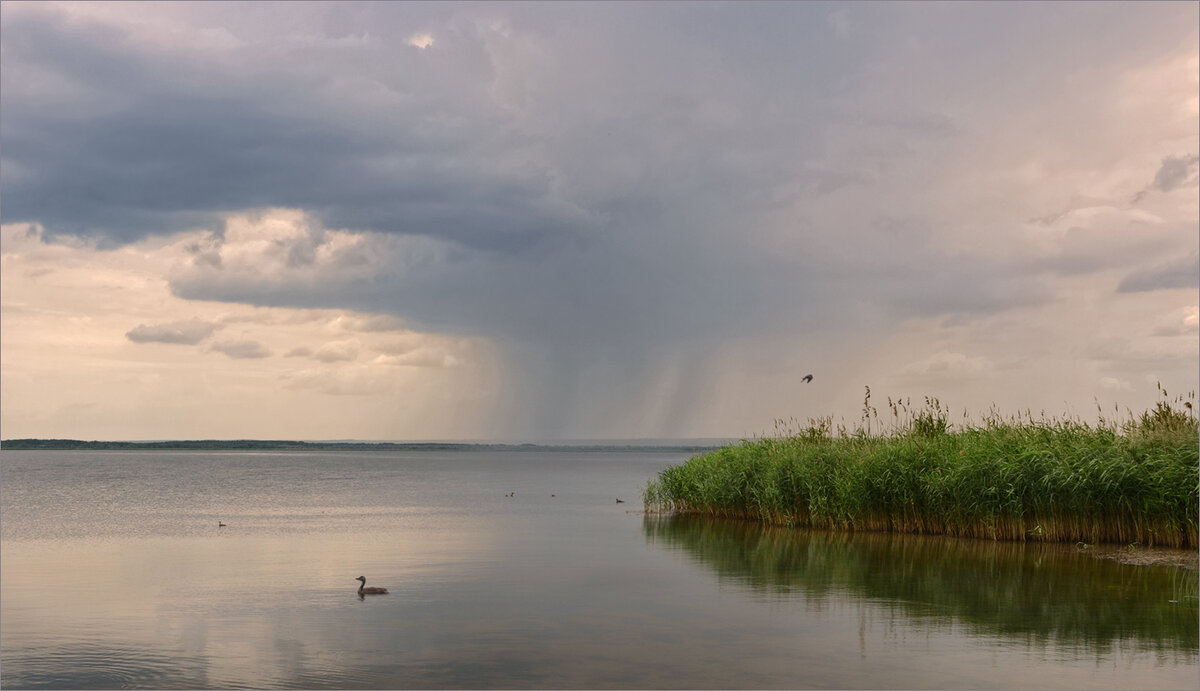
(364, 590)
(220, 524)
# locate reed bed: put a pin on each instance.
(1015, 478)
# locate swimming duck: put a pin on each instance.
(364, 590)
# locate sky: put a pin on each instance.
(510, 221)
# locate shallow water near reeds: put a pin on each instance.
(115, 574)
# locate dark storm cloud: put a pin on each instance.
(138, 142)
(1180, 273)
(590, 184)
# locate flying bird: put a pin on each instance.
(807, 378)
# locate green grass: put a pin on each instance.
(1016, 478)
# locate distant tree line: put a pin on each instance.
(283, 445)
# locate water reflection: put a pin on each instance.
(1037, 593)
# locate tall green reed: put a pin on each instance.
(1009, 478)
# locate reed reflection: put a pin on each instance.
(1033, 592)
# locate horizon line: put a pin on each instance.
(63, 443)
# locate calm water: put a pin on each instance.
(113, 573)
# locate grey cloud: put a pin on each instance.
(207, 251)
(456, 142)
(596, 295)
(1125, 351)
(375, 323)
(185, 332)
(1174, 172)
(419, 358)
(159, 142)
(1180, 273)
(957, 287)
(608, 298)
(1114, 242)
(242, 350)
(587, 184)
(401, 344)
(337, 352)
(343, 351)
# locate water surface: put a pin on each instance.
(114, 574)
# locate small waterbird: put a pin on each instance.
(364, 590)
(807, 378)
(220, 524)
(620, 501)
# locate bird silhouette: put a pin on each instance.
(364, 590)
(807, 378)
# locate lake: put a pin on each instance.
(115, 574)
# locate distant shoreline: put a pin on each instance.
(284, 445)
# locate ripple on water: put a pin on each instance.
(87, 665)
(101, 666)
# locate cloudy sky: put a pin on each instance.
(589, 220)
